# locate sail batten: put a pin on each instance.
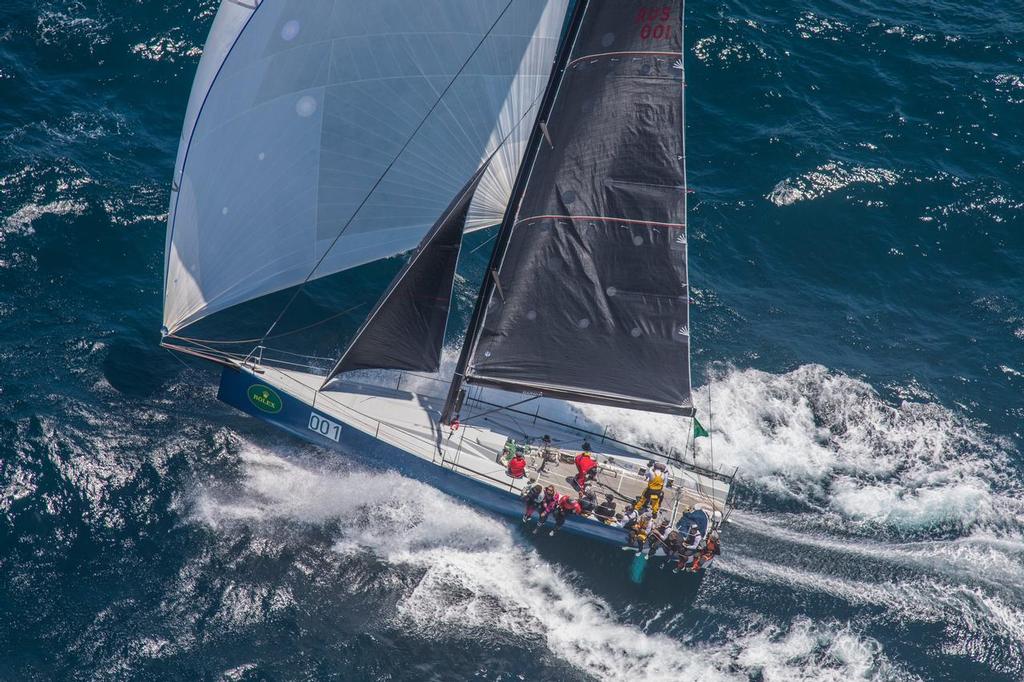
(590, 300)
(296, 128)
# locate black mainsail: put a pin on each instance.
(587, 295)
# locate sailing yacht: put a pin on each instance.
(323, 136)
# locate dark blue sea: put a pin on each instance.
(857, 249)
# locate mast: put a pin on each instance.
(456, 395)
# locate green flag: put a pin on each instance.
(698, 430)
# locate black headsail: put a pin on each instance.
(587, 298)
(406, 328)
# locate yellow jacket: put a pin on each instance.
(656, 481)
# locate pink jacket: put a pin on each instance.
(548, 504)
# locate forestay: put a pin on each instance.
(323, 134)
(590, 294)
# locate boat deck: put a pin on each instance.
(617, 477)
(407, 417)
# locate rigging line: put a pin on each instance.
(215, 351)
(272, 362)
(218, 351)
(519, 426)
(213, 354)
(177, 357)
(229, 362)
(682, 458)
(380, 179)
(207, 351)
(502, 407)
(491, 239)
(265, 338)
(297, 355)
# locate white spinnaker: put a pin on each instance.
(495, 187)
(297, 111)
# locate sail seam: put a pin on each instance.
(598, 55)
(609, 219)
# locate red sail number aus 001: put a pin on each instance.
(654, 22)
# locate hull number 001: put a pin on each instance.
(325, 427)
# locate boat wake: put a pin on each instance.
(969, 587)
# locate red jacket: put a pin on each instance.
(584, 462)
(517, 467)
(570, 505)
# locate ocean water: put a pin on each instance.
(858, 257)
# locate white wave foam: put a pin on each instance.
(56, 27)
(1010, 85)
(21, 220)
(829, 440)
(372, 504)
(810, 25)
(727, 50)
(167, 48)
(478, 581)
(826, 179)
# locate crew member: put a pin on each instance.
(673, 547)
(656, 538)
(712, 548)
(508, 451)
(655, 487)
(516, 466)
(588, 502)
(629, 517)
(586, 467)
(534, 497)
(691, 545)
(639, 531)
(548, 503)
(548, 453)
(567, 506)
